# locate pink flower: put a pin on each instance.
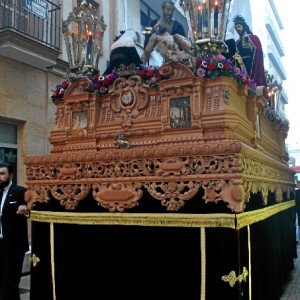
(201, 72)
(102, 89)
(219, 57)
(110, 77)
(153, 80)
(237, 71)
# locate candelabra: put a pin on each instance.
(207, 23)
(83, 34)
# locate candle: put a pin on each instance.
(200, 21)
(204, 15)
(89, 46)
(216, 18)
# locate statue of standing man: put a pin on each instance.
(173, 26)
(250, 49)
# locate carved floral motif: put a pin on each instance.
(69, 194)
(173, 194)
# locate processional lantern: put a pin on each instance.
(83, 34)
(207, 22)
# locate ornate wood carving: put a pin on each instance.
(128, 99)
(173, 194)
(69, 194)
(117, 196)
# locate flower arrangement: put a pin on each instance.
(58, 92)
(213, 66)
(273, 117)
(150, 75)
(101, 83)
(207, 66)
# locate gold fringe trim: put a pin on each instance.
(138, 219)
(251, 217)
(234, 221)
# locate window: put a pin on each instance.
(9, 145)
(147, 14)
(41, 20)
(13, 14)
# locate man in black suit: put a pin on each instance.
(297, 202)
(13, 233)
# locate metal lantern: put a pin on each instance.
(207, 23)
(83, 33)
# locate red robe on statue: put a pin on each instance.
(250, 49)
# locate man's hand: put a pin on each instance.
(23, 210)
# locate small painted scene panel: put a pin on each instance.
(79, 123)
(180, 113)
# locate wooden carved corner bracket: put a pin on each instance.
(231, 192)
(36, 193)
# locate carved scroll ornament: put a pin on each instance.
(173, 194)
(117, 196)
(70, 194)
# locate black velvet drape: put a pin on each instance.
(119, 262)
(140, 262)
(41, 281)
(273, 248)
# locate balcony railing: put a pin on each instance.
(37, 19)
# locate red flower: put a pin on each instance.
(149, 74)
(198, 62)
(55, 93)
(226, 67)
(211, 67)
(65, 84)
(247, 82)
(111, 78)
(106, 82)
